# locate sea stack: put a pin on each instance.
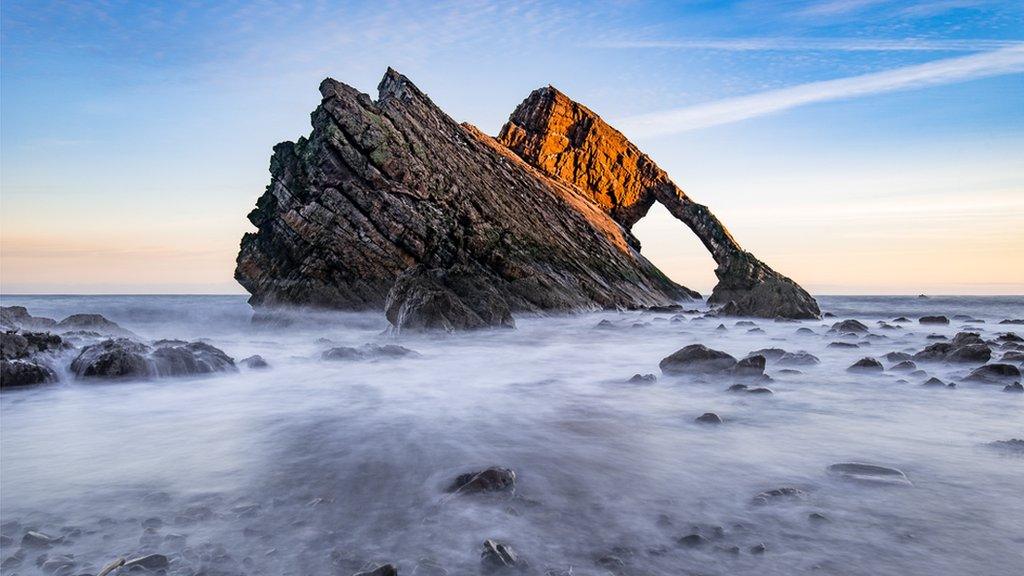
(392, 205)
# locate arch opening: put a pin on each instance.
(675, 250)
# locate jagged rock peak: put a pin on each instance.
(571, 143)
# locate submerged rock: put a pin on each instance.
(369, 352)
(994, 373)
(1016, 388)
(643, 379)
(498, 555)
(778, 495)
(933, 320)
(149, 562)
(869, 473)
(866, 365)
(382, 570)
(533, 220)
(904, 366)
(709, 418)
(933, 382)
(798, 359)
(849, 326)
(254, 362)
(93, 323)
(489, 480)
(696, 359)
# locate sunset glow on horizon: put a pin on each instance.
(872, 148)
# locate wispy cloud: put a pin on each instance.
(818, 44)
(946, 71)
(837, 7)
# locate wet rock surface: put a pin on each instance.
(868, 473)
(696, 358)
(488, 480)
(369, 352)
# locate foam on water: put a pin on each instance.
(317, 467)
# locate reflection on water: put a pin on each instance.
(317, 467)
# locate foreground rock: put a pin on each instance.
(995, 374)
(392, 203)
(488, 480)
(369, 352)
(19, 373)
(382, 570)
(869, 473)
(697, 359)
(498, 555)
(121, 358)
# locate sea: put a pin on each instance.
(335, 467)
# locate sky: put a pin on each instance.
(857, 146)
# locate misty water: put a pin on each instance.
(317, 467)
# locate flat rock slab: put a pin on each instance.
(869, 473)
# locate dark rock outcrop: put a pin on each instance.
(488, 480)
(17, 373)
(369, 352)
(849, 326)
(933, 320)
(392, 204)
(697, 359)
(964, 347)
(994, 373)
(122, 358)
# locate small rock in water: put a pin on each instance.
(1013, 445)
(692, 540)
(777, 495)
(33, 539)
(841, 345)
(150, 562)
(696, 358)
(1016, 387)
(849, 326)
(798, 359)
(642, 379)
(488, 480)
(382, 570)
(901, 320)
(869, 473)
(498, 555)
(709, 418)
(737, 388)
(750, 366)
(368, 352)
(817, 517)
(760, 390)
(933, 320)
(769, 353)
(994, 373)
(758, 549)
(904, 366)
(867, 364)
(255, 362)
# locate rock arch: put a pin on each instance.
(569, 142)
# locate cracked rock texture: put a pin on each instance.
(390, 204)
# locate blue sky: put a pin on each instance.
(856, 145)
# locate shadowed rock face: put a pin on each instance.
(395, 188)
(382, 186)
(568, 141)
